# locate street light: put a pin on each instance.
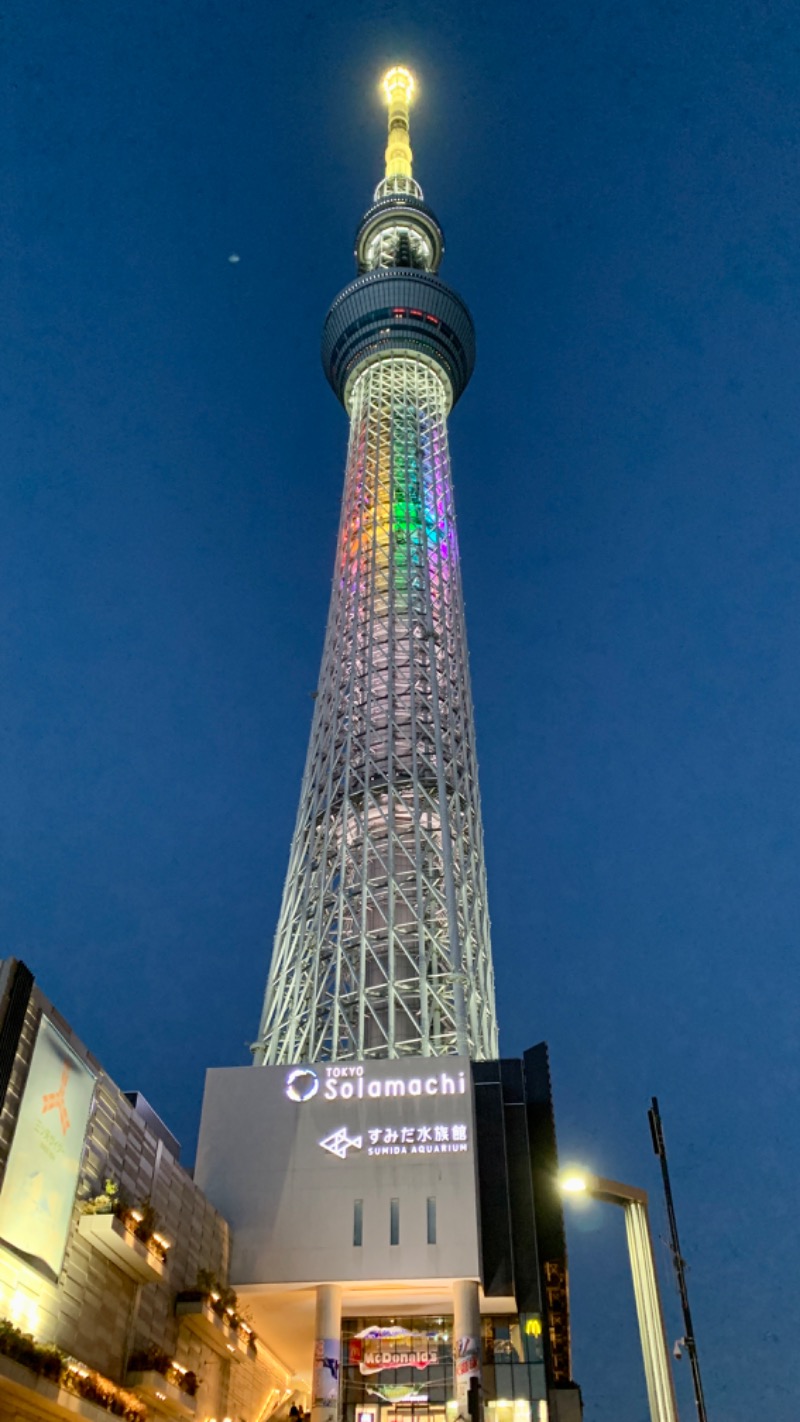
(658, 1374)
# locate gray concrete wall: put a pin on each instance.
(269, 1163)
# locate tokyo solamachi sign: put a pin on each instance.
(355, 1083)
(416, 1108)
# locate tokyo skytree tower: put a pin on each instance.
(382, 947)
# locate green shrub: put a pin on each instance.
(50, 1363)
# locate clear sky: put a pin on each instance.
(618, 182)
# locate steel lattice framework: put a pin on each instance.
(382, 947)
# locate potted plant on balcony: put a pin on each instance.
(141, 1220)
(210, 1297)
(154, 1374)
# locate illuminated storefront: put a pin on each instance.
(400, 1369)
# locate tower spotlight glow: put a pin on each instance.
(398, 83)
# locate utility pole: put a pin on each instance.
(657, 1133)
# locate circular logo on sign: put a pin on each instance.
(302, 1084)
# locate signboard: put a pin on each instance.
(326, 1375)
(433, 1131)
(378, 1348)
(45, 1157)
(468, 1367)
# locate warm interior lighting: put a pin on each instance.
(24, 1311)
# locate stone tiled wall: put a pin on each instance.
(96, 1312)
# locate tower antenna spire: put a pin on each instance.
(398, 86)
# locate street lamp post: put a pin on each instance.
(658, 1373)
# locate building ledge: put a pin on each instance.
(152, 1387)
(200, 1318)
(110, 1237)
(26, 1396)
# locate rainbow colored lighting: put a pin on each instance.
(399, 518)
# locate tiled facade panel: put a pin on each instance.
(95, 1312)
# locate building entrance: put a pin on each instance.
(409, 1412)
(397, 1369)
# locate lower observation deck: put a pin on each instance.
(398, 310)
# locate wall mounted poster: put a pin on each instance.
(41, 1176)
(468, 1367)
(326, 1375)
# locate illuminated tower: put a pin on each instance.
(382, 947)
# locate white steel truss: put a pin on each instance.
(382, 947)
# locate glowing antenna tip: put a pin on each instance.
(398, 83)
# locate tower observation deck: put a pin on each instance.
(382, 947)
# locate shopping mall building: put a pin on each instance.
(391, 1230)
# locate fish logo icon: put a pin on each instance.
(339, 1143)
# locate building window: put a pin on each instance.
(431, 1219)
(358, 1222)
(394, 1221)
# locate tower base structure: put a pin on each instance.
(397, 1233)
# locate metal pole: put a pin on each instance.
(658, 1375)
(657, 1133)
(655, 1354)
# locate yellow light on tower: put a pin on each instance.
(398, 86)
(398, 78)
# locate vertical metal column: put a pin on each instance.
(658, 1372)
(659, 1146)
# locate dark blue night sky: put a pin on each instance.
(618, 182)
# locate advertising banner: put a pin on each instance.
(377, 1349)
(45, 1157)
(326, 1374)
(468, 1366)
